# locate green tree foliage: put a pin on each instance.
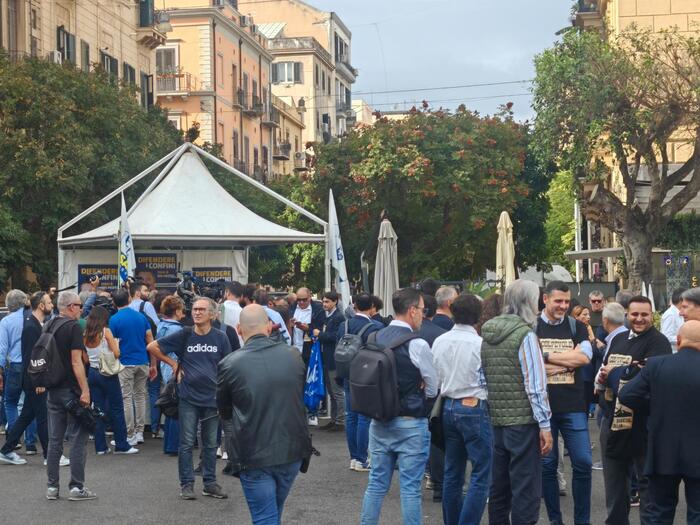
(443, 178)
(682, 234)
(560, 227)
(66, 139)
(610, 111)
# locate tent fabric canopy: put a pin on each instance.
(189, 208)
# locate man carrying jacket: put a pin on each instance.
(269, 436)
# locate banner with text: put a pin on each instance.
(108, 271)
(211, 274)
(157, 269)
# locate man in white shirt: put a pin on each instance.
(465, 419)
(301, 318)
(232, 307)
(671, 320)
(139, 296)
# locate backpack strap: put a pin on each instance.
(363, 329)
(403, 340)
(142, 306)
(57, 322)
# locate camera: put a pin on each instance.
(95, 276)
(86, 417)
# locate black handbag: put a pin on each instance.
(437, 436)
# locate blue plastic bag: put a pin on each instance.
(314, 390)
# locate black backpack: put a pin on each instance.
(374, 389)
(154, 328)
(346, 350)
(46, 368)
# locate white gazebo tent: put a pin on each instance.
(184, 210)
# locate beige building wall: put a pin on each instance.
(105, 32)
(214, 70)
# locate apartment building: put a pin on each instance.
(121, 36)
(596, 246)
(214, 70)
(288, 148)
(312, 63)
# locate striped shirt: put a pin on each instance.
(535, 379)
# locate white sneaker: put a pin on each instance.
(63, 462)
(132, 450)
(133, 440)
(313, 421)
(12, 458)
(352, 464)
(224, 456)
(139, 438)
(219, 454)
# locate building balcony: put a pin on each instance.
(150, 37)
(306, 43)
(590, 13)
(282, 151)
(271, 116)
(180, 84)
(253, 106)
(240, 165)
(260, 173)
(341, 107)
(342, 63)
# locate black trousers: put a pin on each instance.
(616, 475)
(436, 462)
(516, 476)
(34, 408)
(663, 496)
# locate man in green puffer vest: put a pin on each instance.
(519, 406)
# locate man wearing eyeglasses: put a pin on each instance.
(69, 341)
(305, 319)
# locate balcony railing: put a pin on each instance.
(252, 105)
(180, 84)
(341, 106)
(588, 6)
(260, 173)
(282, 151)
(271, 116)
(304, 42)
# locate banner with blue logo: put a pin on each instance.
(314, 390)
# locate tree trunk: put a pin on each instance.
(637, 245)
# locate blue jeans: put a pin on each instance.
(190, 415)
(356, 429)
(468, 436)
(574, 430)
(153, 393)
(405, 441)
(266, 490)
(171, 435)
(106, 393)
(13, 393)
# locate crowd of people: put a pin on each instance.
(510, 385)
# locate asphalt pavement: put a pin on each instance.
(144, 489)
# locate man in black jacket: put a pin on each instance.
(623, 436)
(269, 436)
(34, 399)
(669, 387)
(328, 337)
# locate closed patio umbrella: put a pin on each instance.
(505, 251)
(386, 268)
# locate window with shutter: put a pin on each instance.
(275, 73)
(70, 48)
(61, 41)
(84, 56)
(297, 73)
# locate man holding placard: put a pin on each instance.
(623, 433)
(566, 349)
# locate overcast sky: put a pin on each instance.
(409, 44)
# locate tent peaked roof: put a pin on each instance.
(189, 208)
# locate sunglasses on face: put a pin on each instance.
(596, 301)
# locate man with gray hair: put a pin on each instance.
(73, 387)
(11, 327)
(199, 351)
(518, 404)
(690, 304)
(444, 297)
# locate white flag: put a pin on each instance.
(342, 285)
(127, 261)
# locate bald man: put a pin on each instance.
(669, 388)
(263, 384)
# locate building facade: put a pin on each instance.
(214, 71)
(312, 61)
(119, 36)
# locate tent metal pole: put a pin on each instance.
(179, 153)
(116, 192)
(260, 186)
(327, 258)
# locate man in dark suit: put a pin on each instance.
(669, 388)
(428, 329)
(327, 335)
(357, 425)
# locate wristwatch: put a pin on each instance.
(545, 355)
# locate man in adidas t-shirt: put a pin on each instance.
(566, 349)
(199, 351)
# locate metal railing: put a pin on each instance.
(588, 6)
(282, 151)
(180, 83)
